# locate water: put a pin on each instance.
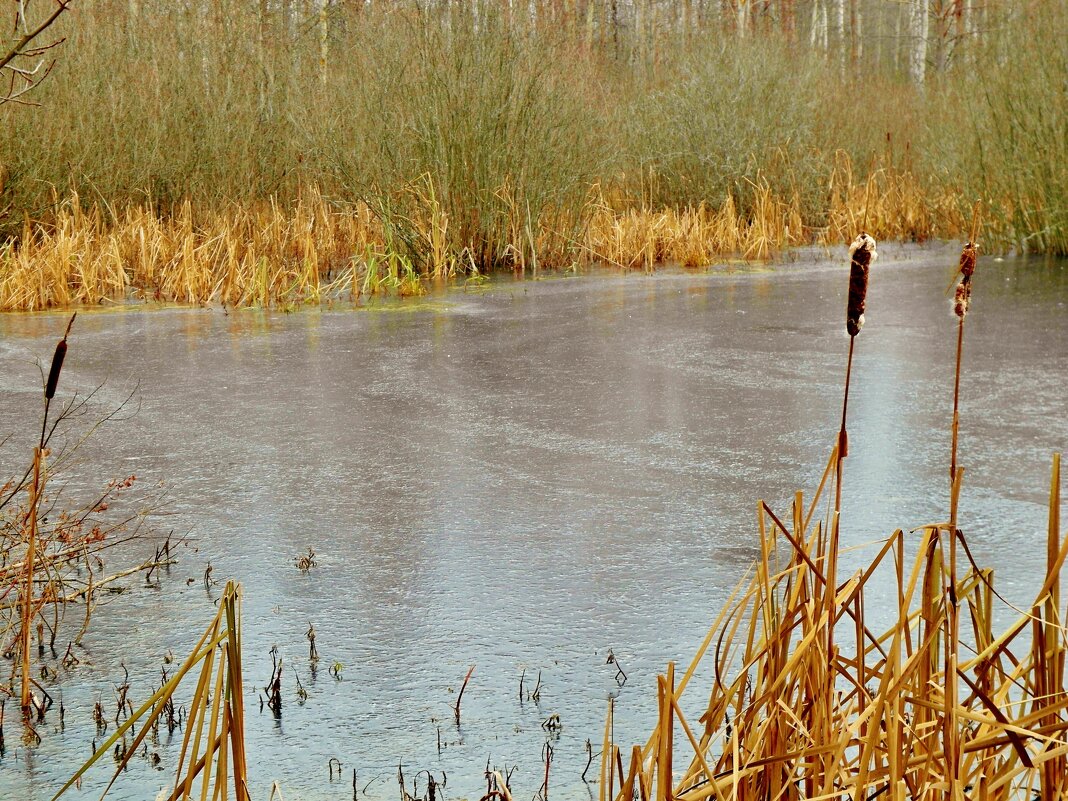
(520, 478)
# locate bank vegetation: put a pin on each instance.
(277, 153)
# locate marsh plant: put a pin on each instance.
(257, 155)
(54, 540)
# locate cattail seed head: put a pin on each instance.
(963, 298)
(861, 256)
(967, 259)
(57, 362)
(57, 366)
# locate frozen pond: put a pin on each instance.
(521, 477)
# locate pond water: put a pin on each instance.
(520, 477)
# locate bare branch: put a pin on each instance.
(24, 48)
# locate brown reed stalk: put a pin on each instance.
(460, 695)
(898, 729)
(214, 726)
(962, 300)
(606, 765)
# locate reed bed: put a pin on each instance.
(255, 256)
(890, 202)
(316, 250)
(915, 712)
(447, 144)
(693, 237)
(816, 696)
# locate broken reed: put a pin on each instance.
(893, 727)
(213, 754)
(315, 251)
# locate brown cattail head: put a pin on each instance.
(57, 362)
(963, 297)
(57, 366)
(861, 255)
(967, 259)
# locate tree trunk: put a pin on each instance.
(854, 36)
(918, 22)
(591, 14)
(840, 33)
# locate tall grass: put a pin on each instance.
(1013, 151)
(475, 149)
(725, 116)
(486, 143)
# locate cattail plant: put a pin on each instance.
(36, 491)
(861, 256)
(961, 301)
(889, 729)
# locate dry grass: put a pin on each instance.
(693, 237)
(267, 254)
(243, 256)
(889, 202)
(915, 713)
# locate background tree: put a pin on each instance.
(26, 60)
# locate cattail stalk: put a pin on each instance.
(961, 302)
(861, 256)
(36, 490)
(951, 734)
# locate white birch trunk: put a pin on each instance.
(858, 33)
(639, 31)
(897, 40)
(591, 11)
(918, 29)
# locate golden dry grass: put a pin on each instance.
(809, 702)
(692, 237)
(240, 256)
(889, 203)
(313, 250)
